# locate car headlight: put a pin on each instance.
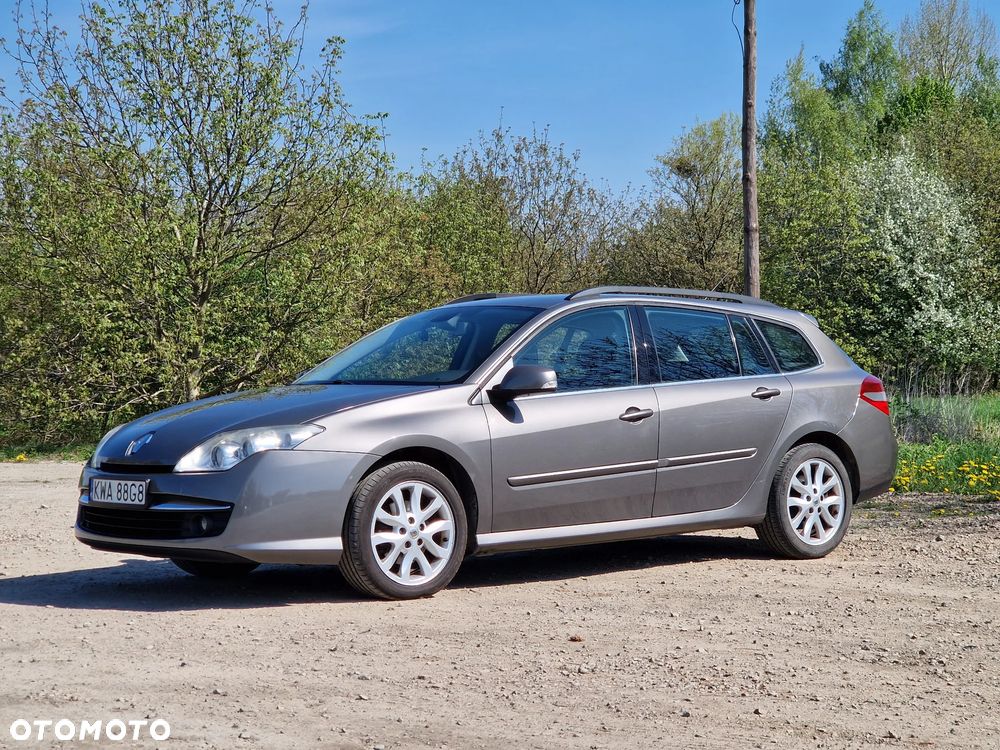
(100, 446)
(227, 449)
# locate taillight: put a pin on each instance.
(873, 392)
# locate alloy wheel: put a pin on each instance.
(815, 501)
(413, 533)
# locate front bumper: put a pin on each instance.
(287, 507)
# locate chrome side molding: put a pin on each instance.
(586, 473)
(707, 458)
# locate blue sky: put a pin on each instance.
(616, 80)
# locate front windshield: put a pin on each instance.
(434, 347)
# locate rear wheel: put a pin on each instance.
(405, 532)
(809, 507)
(207, 569)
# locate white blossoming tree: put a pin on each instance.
(932, 300)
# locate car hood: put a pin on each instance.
(178, 429)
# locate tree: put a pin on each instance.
(865, 73)
(947, 41)
(804, 120)
(963, 147)
(879, 210)
(816, 256)
(834, 118)
(687, 231)
(562, 227)
(179, 182)
(914, 103)
(464, 223)
(934, 298)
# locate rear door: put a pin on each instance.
(722, 404)
(586, 453)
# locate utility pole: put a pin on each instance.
(751, 229)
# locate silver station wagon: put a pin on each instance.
(507, 422)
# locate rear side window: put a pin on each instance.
(753, 356)
(692, 345)
(789, 346)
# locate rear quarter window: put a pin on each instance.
(789, 346)
(753, 355)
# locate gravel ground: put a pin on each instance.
(700, 641)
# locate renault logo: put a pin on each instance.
(136, 445)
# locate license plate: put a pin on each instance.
(119, 491)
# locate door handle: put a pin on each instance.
(765, 393)
(635, 414)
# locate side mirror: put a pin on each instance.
(521, 380)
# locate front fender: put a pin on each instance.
(441, 420)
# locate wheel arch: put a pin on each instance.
(448, 465)
(842, 450)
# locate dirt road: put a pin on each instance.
(700, 641)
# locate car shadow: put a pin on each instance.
(566, 563)
(151, 585)
(144, 585)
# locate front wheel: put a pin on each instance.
(405, 532)
(809, 507)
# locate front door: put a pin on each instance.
(586, 453)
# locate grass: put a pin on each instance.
(956, 419)
(969, 468)
(949, 444)
(23, 453)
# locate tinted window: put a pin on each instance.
(436, 346)
(789, 346)
(753, 357)
(692, 345)
(591, 349)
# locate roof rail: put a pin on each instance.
(482, 295)
(668, 292)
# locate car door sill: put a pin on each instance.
(613, 531)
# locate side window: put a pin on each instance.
(789, 346)
(692, 345)
(753, 357)
(590, 349)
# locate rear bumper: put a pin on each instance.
(287, 507)
(870, 437)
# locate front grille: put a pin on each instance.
(129, 523)
(123, 467)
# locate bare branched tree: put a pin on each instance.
(946, 41)
(563, 227)
(689, 226)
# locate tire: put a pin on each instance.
(801, 523)
(394, 552)
(218, 570)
